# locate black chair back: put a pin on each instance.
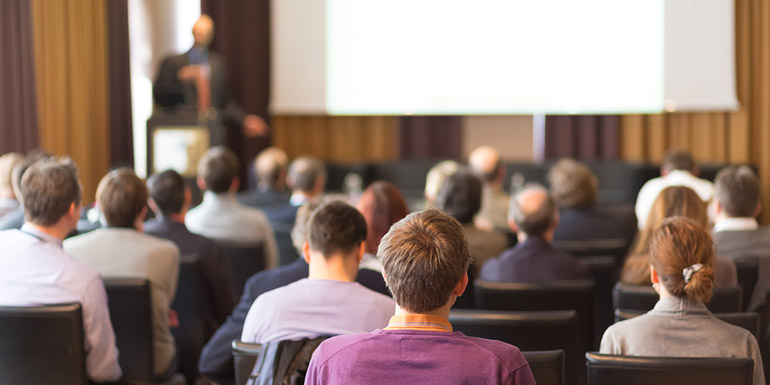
(644, 298)
(189, 336)
(615, 247)
(748, 320)
(245, 261)
(245, 357)
(605, 369)
(529, 331)
(747, 269)
(131, 314)
(603, 272)
(286, 251)
(42, 345)
(547, 366)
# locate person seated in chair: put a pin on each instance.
(533, 216)
(35, 270)
(270, 167)
(328, 301)
(425, 262)
(680, 325)
(122, 250)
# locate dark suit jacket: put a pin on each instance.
(262, 199)
(534, 260)
(217, 287)
(596, 223)
(749, 243)
(216, 359)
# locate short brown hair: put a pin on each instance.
(678, 160)
(737, 190)
(270, 165)
(49, 187)
(336, 227)
(121, 196)
(424, 256)
(573, 184)
(460, 195)
(533, 222)
(677, 244)
(218, 167)
(304, 172)
(167, 189)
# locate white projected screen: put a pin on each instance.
(445, 56)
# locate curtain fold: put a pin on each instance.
(582, 136)
(430, 137)
(121, 123)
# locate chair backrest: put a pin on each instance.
(644, 298)
(603, 272)
(189, 336)
(547, 366)
(605, 369)
(747, 269)
(747, 320)
(244, 356)
(42, 345)
(615, 247)
(245, 262)
(131, 314)
(529, 331)
(286, 251)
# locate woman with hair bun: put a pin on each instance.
(680, 325)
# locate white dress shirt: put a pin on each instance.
(221, 217)
(649, 192)
(34, 270)
(736, 224)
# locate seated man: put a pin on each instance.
(170, 199)
(307, 179)
(220, 216)
(216, 359)
(270, 168)
(425, 258)
(486, 163)
(120, 249)
(533, 216)
(34, 270)
(329, 301)
(8, 201)
(14, 219)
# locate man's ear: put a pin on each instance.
(513, 226)
(306, 251)
(235, 184)
(201, 183)
(187, 200)
(758, 210)
(654, 275)
(139, 221)
(361, 251)
(459, 289)
(74, 211)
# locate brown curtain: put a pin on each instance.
(121, 130)
(18, 104)
(734, 137)
(71, 67)
(582, 136)
(430, 137)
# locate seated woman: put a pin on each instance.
(672, 201)
(382, 205)
(680, 325)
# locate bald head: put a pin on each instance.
(203, 31)
(485, 162)
(307, 175)
(271, 165)
(533, 210)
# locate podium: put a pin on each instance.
(178, 139)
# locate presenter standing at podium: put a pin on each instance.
(196, 80)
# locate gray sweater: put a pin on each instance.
(679, 327)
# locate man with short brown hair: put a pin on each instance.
(425, 260)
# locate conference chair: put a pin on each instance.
(605, 369)
(575, 295)
(747, 269)
(244, 357)
(547, 366)
(603, 273)
(42, 345)
(748, 320)
(286, 251)
(644, 298)
(616, 247)
(245, 262)
(529, 331)
(189, 336)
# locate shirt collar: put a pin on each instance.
(9, 203)
(297, 200)
(47, 238)
(736, 224)
(679, 306)
(425, 322)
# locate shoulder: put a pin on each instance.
(338, 345)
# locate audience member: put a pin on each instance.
(270, 167)
(737, 234)
(425, 258)
(382, 205)
(220, 216)
(14, 219)
(170, 199)
(8, 201)
(574, 188)
(307, 179)
(680, 325)
(486, 163)
(35, 270)
(216, 359)
(672, 201)
(461, 197)
(678, 169)
(435, 179)
(533, 217)
(120, 249)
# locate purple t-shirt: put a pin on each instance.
(417, 357)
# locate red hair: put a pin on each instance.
(382, 205)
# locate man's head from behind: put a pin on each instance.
(122, 197)
(486, 163)
(203, 31)
(532, 211)
(21, 167)
(424, 258)
(307, 175)
(736, 190)
(51, 190)
(460, 195)
(218, 170)
(271, 166)
(169, 194)
(436, 177)
(336, 228)
(573, 184)
(678, 160)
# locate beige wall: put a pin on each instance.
(510, 135)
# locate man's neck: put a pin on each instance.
(442, 312)
(547, 236)
(57, 231)
(176, 218)
(336, 268)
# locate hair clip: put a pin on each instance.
(689, 271)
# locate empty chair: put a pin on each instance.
(245, 261)
(189, 336)
(42, 345)
(616, 247)
(603, 272)
(244, 357)
(529, 331)
(286, 251)
(131, 316)
(547, 366)
(747, 269)
(748, 320)
(644, 298)
(605, 369)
